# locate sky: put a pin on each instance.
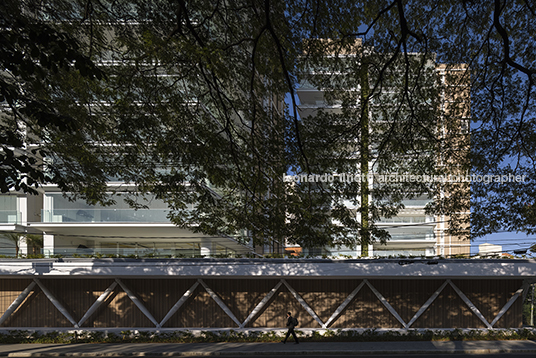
(508, 240)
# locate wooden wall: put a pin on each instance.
(241, 296)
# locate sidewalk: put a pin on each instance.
(237, 349)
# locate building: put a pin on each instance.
(487, 249)
(76, 228)
(330, 88)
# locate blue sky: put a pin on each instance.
(508, 240)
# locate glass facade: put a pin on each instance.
(105, 215)
(60, 209)
(9, 213)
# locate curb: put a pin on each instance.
(265, 353)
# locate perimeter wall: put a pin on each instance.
(189, 302)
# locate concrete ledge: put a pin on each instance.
(270, 268)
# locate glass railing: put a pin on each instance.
(10, 217)
(407, 219)
(409, 236)
(122, 249)
(121, 252)
(132, 253)
(105, 215)
(398, 253)
(415, 202)
(411, 203)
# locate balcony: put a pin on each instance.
(412, 236)
(420, 203)
(407, 220)
(105, 215)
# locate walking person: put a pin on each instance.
(291, 323)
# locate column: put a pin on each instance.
(23, 247)
(206, 247)
(48, 245)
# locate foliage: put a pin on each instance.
(185, 101)
(15, 238)
(35, 242)
(185, 336)
(40, 103)
(528, 307)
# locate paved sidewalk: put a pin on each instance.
(237, 349)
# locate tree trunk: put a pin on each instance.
(364, 149)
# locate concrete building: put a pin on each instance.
(413, 232)
(76, 228)
(487, 249)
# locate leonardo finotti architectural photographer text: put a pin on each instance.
(401, 178)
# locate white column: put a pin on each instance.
(442, 237)
(48, 245)
(23, 247)
(206, 247)
(23, 209)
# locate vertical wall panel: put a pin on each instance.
(77, 295)
(37, 311)
(448, 310)
(204, 312)
(241, 296)
(274, 316)
(119, 310)
(10, 289)
(407, 296)
(366, 311)
(159, 295)
(324, 296)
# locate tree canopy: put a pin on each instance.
(185, 100)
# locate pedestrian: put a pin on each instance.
(291, 323)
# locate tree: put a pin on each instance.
(35, 242)
(15, 239)
(40, 103)
(188, 107)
